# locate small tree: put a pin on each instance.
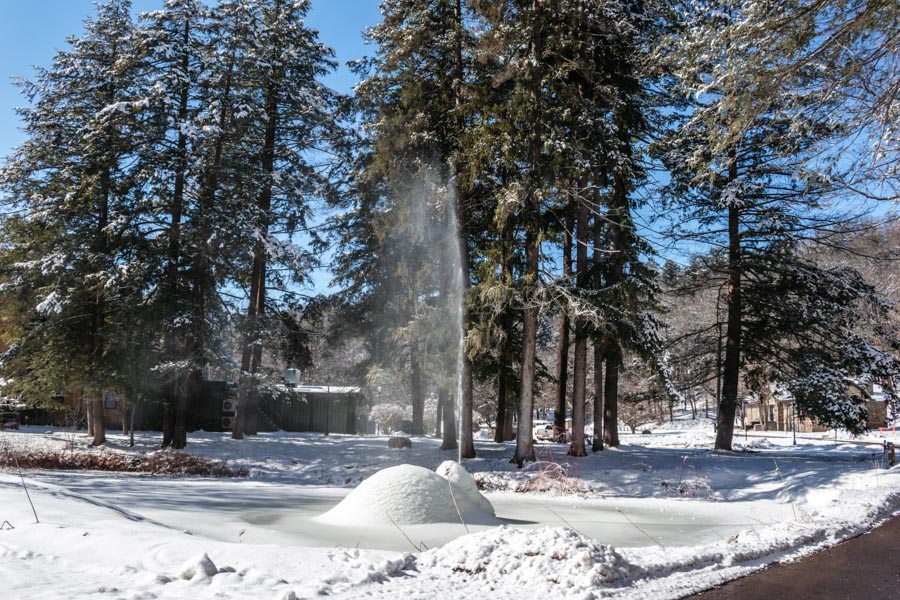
(389, 416)
(633, 410)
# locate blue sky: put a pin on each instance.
(31, 31)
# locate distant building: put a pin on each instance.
(282, 406)
(775, 410)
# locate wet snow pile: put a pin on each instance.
(411, 495)
(546, 562)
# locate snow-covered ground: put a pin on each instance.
(659, 517)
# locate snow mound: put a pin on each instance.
(200, 567)
(546, 562)
(463, 486)
(411, 495)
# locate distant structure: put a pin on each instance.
(776, 411)
(285, 405)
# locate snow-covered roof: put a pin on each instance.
(878, 393)
(320, 389)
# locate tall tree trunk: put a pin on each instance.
(201, 271)
(251, 356)
(449, 425)
(175, 348)
(616, 220)
(508, 420)
(610, 391)
(447, 401)
(731, 371)
(501, 410)
(583, 237)
(88, 413)
(466, 425)
(597, 442)
(97, 417)
(562, 355)
(134, 407)
(525, 429)
(467, 407)
(505, 386)
(98, 321)
(168, 423)
(439, 418)
(415, 385)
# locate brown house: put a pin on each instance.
(775, 412)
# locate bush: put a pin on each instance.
(157, 463)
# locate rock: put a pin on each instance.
(646, 432)
(399, 441)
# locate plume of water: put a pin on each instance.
(422, 231)
(458, 303)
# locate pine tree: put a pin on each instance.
(802, 332)
(744, 173)
(568, 129)
(845, 54)
(518, 29)
(72, 179)
(175, 39)
(290, 114)
(413, 101)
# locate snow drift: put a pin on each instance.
(544, 561)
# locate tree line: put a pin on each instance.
(185, 171)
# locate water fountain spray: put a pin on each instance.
(458, 297)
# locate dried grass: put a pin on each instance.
(553, 477)
(157, 463)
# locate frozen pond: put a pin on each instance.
(620, 522)
(276, 513)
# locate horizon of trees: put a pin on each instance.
(184, 171)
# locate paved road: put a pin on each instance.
(865, 568)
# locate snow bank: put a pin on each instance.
(546, 562)
(411, 495)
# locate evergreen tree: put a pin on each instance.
(73, 182)
(568, 128)
(175, 39)
(802, 332)
(413, 102)
(844, 51)
(743, 172)
(290, 115)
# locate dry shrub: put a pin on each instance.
(157, 463)
(688, 488)
(491, 482)
(551, 477)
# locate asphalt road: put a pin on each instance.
(865, 568)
